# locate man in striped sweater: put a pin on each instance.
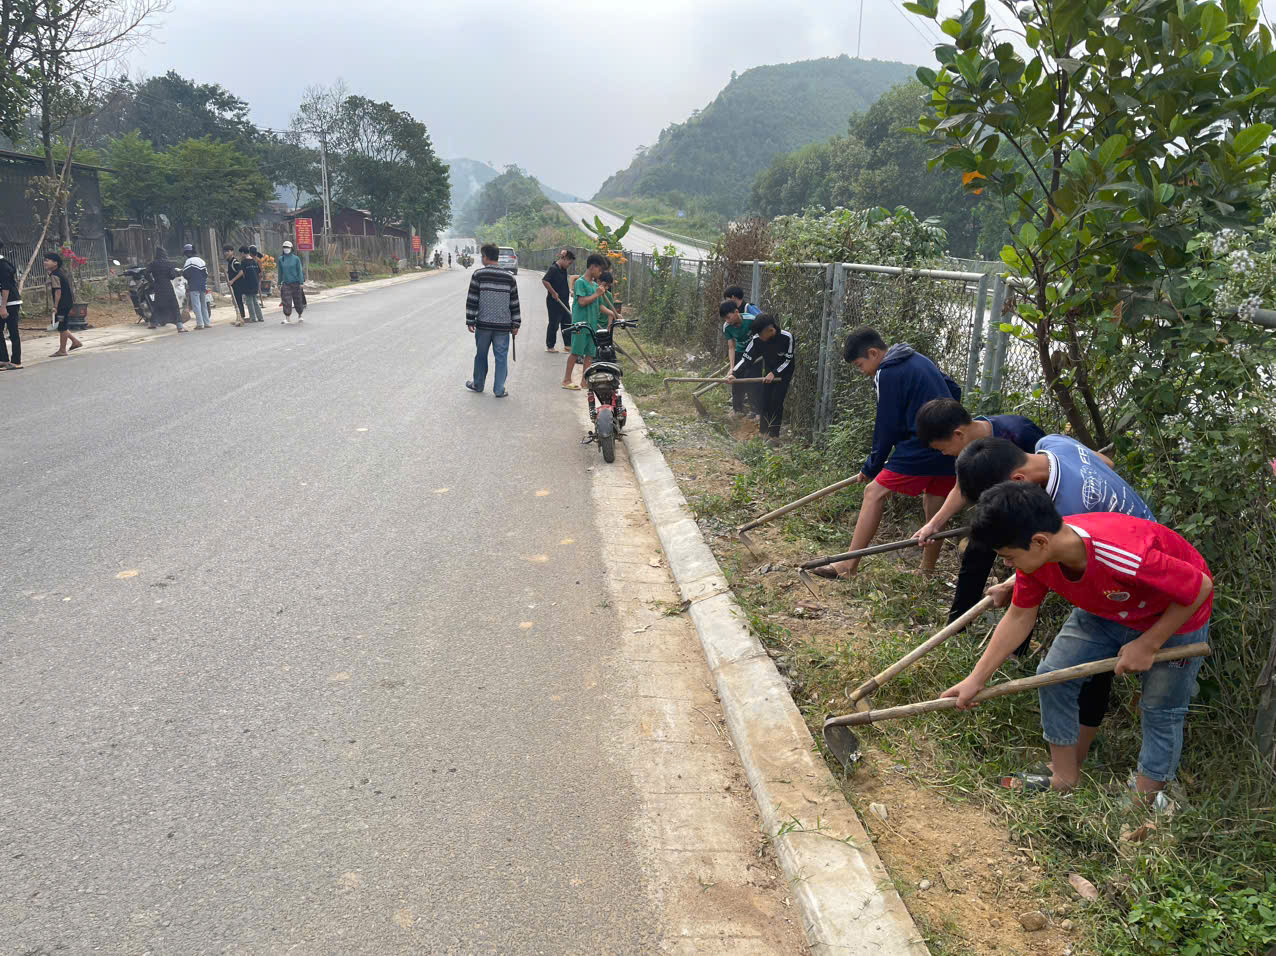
(491, 313)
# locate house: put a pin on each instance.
(21, 219)
(346, 222)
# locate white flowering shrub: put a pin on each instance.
(1240, 265)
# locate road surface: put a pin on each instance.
(638, 238)
(304, 648)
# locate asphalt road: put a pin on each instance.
(638, 238)
(266, 679)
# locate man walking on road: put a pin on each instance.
(557, 296)
(63, 299)
(292, 277)
(10, 306)
(195, 272)
(491, 313)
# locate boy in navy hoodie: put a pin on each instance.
(898, 463)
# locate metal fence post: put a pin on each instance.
(830, 345)
(822, 360)
(755, 293)
(996, 337)
(976, 334)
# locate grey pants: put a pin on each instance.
(252, 306)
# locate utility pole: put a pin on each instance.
(327, 197)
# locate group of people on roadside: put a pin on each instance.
(243, 274)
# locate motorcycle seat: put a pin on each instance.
(600, 368)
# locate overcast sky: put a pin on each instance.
(563, 89)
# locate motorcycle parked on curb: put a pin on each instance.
(607, 412)
(141, 291)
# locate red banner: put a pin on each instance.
(416, 243)
(305, 234)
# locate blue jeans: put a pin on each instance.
(1167, 689)
(199, 307)
(499, 342)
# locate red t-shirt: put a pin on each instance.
(1134, 570)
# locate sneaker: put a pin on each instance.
(470, 386)
(502, 394)
(284, 322)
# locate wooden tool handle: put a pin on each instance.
(882, 548)
(718, 381)
(1012, 687)
(705, 388)
(921, 650)
(813, 496)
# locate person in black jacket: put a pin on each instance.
(164, 309)
(10, 306)
(773, 347)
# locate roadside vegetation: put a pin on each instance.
(512, 210)
(698, 221)
(1134, 323)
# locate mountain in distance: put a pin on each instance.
(716, 154)
(470, 175)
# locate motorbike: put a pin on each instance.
(141, 290)
(607, 412)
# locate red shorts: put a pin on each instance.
(914, 485)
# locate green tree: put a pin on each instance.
(1135, 124)
(290, 165)
(138, 187)
(214, 183)
(169, 109)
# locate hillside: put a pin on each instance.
(761, 113)
(468, 177)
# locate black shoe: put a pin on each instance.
(470, 386)
(501, 394)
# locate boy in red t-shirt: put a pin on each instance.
(1136, 587)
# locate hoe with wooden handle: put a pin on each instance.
(845, 746)
(740, 532)
(805, 567)
(859, 694)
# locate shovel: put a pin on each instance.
(805, 567)
(920, 651)
(781, 512)
(845, 746)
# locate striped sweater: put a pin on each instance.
(493, 300)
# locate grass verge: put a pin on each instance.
(1202, 881)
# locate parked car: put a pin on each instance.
(508, 260)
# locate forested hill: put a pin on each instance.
(763, 112)
(468, 177)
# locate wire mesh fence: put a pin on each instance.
(964, 319)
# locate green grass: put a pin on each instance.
(698, 223)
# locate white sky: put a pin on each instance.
(568, 89)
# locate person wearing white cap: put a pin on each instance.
(195, 272)
(292, 276)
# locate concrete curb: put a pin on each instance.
(129, 334)
(847, 902)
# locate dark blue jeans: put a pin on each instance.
(499, 343)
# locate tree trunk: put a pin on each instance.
(1265, 717)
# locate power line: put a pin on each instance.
(911, 20)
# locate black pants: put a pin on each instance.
(239, 300)
(747, 392)
(559, 320)
(15, 337)
(976, 566)
(772, 396)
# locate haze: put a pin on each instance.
(562, 89)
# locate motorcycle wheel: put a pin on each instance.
(606, 435)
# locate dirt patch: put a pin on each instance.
(977, 882)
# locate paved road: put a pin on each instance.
(264, 679)
(637, 238)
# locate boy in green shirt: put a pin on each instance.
(586, 309)
(737, 329)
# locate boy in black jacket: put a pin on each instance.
(897, 463)
(773, 347)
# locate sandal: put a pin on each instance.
(77, 345)
(571, 386)
(1025, 782)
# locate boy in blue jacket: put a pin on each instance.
(898, 463)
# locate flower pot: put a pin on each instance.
(354, 277)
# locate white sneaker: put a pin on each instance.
(284, 322)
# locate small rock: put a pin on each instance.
(764, 569)
(1036, 869)
(1033, 921)
(995, 923)
(1066, 926)
(878, 810)
(924, 885)
(899, 768)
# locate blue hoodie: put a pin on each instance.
(906, 380)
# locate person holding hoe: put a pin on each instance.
(771, 348)
(1136, 587)
(898, 463)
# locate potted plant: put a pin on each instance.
(268, 269)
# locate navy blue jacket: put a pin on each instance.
(1024, 432)
(906, 380)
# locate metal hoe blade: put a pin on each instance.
(842, 744)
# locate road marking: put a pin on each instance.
(567, 541)
(127, 574)
(542, 493)
(537, 558)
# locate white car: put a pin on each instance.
(508, 259)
